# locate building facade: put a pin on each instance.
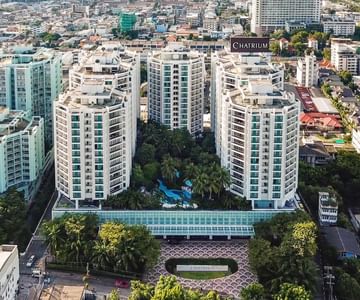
(22, 151)
(31, 81)
(93, 151)
(343, 55)
(127, 21)
(328, 209)
(115, 67)
(307, 71)
(269, 15)
(9, 272)
(338, 26)
(176, 88)
(256, 129)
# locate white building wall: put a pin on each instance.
(268, 15)
(176, 88)
(9, 272)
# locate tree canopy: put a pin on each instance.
(75, 239)
(283, 252)
(168, 288)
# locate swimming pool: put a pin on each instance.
(174, 197)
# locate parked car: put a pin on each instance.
(30, 261)
(122, 283)
(36, 273)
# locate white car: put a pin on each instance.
(30, 261)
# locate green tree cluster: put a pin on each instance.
(342, 174)
(167, 288)
(75, 239)
(283, 252)
(345, 76)
(13, 226)
(175, 156)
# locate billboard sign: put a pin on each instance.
(249, 44)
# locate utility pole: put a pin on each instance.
(329, 281)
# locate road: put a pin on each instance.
(37, 247)
(101, 286)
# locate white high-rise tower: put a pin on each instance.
(176, 78)
(256, 128)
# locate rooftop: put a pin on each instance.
(5, 252)
(12, 121)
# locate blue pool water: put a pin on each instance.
(174, 197)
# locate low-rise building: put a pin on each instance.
(315, 153)
(328, 208)
(343, 55)
(307, 72)
(9, 272)
(339, 26)
(22, 151)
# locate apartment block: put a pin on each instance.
(343, 55)
(31, 80)
(269, 15)
(328, 209)
(93, 134)
(176, 78)
(256, 128)
(115, 67)
(22, 151)
(307, 71)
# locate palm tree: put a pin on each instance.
(101, 256)
(168, 168)
(54, 238)
(223, 178)
(190, 170)
(201, 182)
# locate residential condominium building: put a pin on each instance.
(307, 72)
(176, 78)
(269, 15)
(256, 129)
(31, 80)
(343, 55)
(9, 272)
(22, 151)
(339, 26)
(328, 209)
(93, 133)
(117, 68)
(227, 69)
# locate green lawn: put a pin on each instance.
(202, 275)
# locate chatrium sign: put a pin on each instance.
(249, 44)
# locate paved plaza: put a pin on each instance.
(230, 285)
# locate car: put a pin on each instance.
(30, 261)
(122, 283)
(36, 273)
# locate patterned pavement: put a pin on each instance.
(229, 285)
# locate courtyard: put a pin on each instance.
(229, 285)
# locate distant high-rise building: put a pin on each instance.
(269, 15)
(95, 127)
(307, 72)
(31, 80)
(127, 21)
(256, 127)
(22, 151)
(176, 78)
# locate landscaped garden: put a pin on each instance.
(187, 167)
